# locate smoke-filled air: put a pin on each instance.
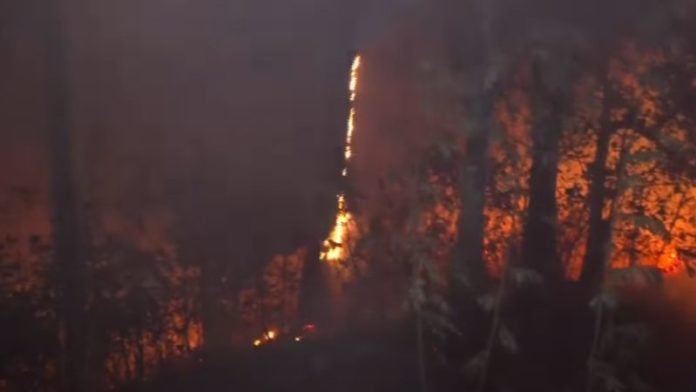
(348, 196)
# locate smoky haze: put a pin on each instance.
(231, 113)
(165, 89)
(207, 143)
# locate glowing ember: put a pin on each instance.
(670, 264)
(334, 246)
(272, 335)
(266, 338)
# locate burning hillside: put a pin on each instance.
(336, 245)
(227, 190)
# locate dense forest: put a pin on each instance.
(471, 195)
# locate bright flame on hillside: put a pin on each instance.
(333, 246)
(350, 127)
(333, 249)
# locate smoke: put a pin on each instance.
(378, 17)
(238, 106)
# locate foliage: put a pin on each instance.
(29, 322)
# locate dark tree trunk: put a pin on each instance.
(473, 170)
(537, 305)
(593, 264)
(539, 239)
(472, 181)
(216, 333)
(68, 230)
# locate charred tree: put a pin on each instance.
(593, 265)
(473, 168)
(539, 239)
(537, 307)
(68, 230)
(472, 181)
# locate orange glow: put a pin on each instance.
(334, 247)
(350, 127)
(267, 337)
(670, 264)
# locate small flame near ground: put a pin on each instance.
(670, 264)
(334, 245)
(267, 337)
(275, 334)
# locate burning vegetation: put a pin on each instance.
(515, 203)
(335, 247)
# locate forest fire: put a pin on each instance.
(517, 196)
(334, 246)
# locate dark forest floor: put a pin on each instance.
(347, 363)
(386, 359)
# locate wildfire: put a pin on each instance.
(334, 249)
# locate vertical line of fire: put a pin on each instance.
(334, 247)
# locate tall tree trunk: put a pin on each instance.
(539, 239)
(472, 181)
(68, 230)
(473, 171)
(537, 305)
(593, 264)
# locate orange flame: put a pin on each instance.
(350, 127)
(267, 337)
(334, 245)
(670, 264)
